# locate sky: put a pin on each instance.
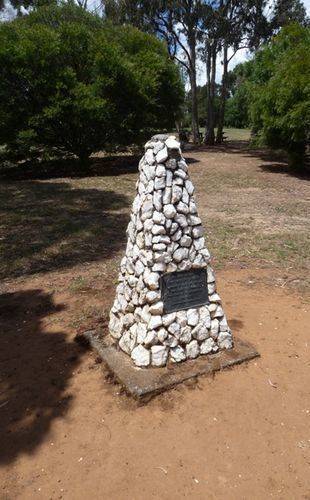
(241, 55)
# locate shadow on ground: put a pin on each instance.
(51, 225)
(113, 165)
(275, 161)
(35, 370)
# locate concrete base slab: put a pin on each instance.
(146, 382)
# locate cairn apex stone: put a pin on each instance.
(165, 235)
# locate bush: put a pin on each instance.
(73, 83)
(280, 91)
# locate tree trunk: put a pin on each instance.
(193, 84)
(219, 135)
(211, 73)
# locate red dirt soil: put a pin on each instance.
(69, 432)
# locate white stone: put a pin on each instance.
(128, 320)
(200, 332)
(115, 326)
(219, 313)
(141, 332)
(186, 241)
(167, 195)
(170, 341)
(158, 217)
(210, 275)
(215, 298)
(151, 279)
(169, 211)
(224, 340)
(157, 308)
(182, 208)
(169, 177)
(182, 164)
(176, 193)
(155, 322)
(185, 197)
(180, 254)
(171, 267)
(199, 243)
(192, 349)
(189, 187)
(224, 325)
(151, 338)
(181, 220)
(159, 183)
(185, 265)
(215, 328)
(192, 207)
(197, 231)
(157, 200)
(158, 146)
(174, 328)
(161, 171)
(157, 229)
(181, 318)
(177, 354)
(185, 335)
(172, 143)
(168, 319)
(194, 220)
(162, 334)
(159, 355)
(139, 268)
(162, 155)
(177, 236)
(147, 210)
(192, 317)
(127, 342)
(207, 346)
(140, 355)
(180, 173)
(159, 267)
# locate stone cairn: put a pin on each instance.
(164, 235)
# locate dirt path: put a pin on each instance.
(68, 432)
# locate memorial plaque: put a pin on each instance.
(184, 289)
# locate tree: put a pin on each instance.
(71, 82)
(280, 97)
(178, 23)
(286, 12)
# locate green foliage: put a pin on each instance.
(280, 90)
(237, 105)
(69, 81)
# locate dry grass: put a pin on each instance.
(256, 212)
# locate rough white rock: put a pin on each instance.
(215, 328)
(192, 317)
(139, 268)
(141, 332)
(168, 319)
(189, 187)
(158, 146)
(158, 217)
(162, 334)
(186, 241)
(172, 143)
(159, 355)
(127, 342)
(224, 340)
(176, 193)
(159, 183)
(157, 229)
(140, 355)
(207, 346)
(192, 349)
(180, 254)
(151, 280)
(185, 335)
(162, 155)
(155, 322)
(157, 200)
(169, 211)
(177, 354)
(151, 338)
(174, 328)
(181, 220)
(170, 341)
(200, 332)
(115, 326)
(157, 308)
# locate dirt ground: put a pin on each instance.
(66, 430)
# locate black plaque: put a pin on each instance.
(184, 289)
